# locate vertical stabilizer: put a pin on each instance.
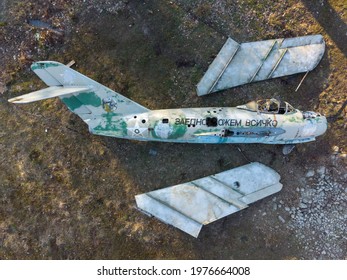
(97, 100)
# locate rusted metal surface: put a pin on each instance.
(237, 64)
(191, 205)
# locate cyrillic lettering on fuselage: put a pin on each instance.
(228, 122)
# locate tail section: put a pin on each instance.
(50, 92)
(82, 95)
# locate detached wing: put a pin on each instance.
(237, 64)
(191, 205)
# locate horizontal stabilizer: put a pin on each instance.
(191, 205)
(238, 64)
(46, 93)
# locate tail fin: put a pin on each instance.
(82, 95)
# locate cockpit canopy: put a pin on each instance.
(268, 106)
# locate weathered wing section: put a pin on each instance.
(191, 205)
(50, 92)
(238, 64)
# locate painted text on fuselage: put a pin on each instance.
(228, 122)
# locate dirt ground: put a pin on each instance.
(68, 194)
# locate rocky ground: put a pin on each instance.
(321, 210)
(67, 194)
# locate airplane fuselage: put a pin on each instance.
(212, 125)
(109, 113)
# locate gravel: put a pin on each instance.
(319, 219)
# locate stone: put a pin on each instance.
(3, 88)
(153, 152)
(321, 170)
(302, 205)
(310, 173)
(336, 150)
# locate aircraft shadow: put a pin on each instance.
(330, 20)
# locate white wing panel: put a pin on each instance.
(190, 205)
(46, 93)
(238, 64)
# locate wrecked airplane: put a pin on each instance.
(108, 113)
(265, 121)
(191, 205)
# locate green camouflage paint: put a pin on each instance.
(178, 131)
(89, 98)
(36, 66)
(72, 102)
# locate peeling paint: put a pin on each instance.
(111, 114)
(38, 65)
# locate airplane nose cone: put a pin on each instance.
(322, 126)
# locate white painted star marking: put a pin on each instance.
(136, 130)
